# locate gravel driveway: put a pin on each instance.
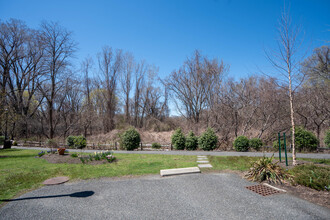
(194, 196)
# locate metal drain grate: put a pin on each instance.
(263, 190)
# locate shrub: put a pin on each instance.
(305, 140)
(327, 139)
(70, 141)
(107, 155)
(156, 146)
(2, 140)
(15, 143)
(275, 144)
(241, 143)
(312, 176)
(265, 170)
(130, 139)
(79, 142)
(208, 140)
(191, 141)
(255, 143)
(74, 155)
(51, 143)
(178, 140)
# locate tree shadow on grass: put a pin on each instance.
(82, 194)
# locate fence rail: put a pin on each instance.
(95, 146)
(142, 146)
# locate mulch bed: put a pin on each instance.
(66, 158)
(321, 198)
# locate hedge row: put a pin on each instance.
(207, 141)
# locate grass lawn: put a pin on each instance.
(21, 171)
(241, 163)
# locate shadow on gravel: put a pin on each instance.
(82, 194)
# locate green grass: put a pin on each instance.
(241, 163)
(20, 171)
(312, 176)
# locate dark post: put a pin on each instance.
(141, 146)
(115, 145)
(171, 146)
(286, 157)
(279, 146)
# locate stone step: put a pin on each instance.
(202, 161)
(179, 171)
(205, 166)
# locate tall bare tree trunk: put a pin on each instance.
(294, 162)
(286, 61)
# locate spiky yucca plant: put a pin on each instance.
(265, 170)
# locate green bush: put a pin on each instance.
(2, 140)
(191, 141)
(275, 145)
(312, 176)
(255, 143)
(130, 139)
(15, 143)
(156, 146)
(80, 142)
(305, 140)
(241, 143)
(208, 140)
(51, 143)
(327, 139)
(70, 141)
(178, 140)
(74, 155)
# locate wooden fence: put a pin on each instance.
(142, 147)
(96, 146)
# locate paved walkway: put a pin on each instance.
(192, 196)
(207, 153)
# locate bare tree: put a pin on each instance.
(12, 36)
(88, 113)
(286, 60)
(193, 83)
(126, 82)
(140, 72)
(110, 65)
(59, 48)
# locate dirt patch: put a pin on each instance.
(66, 158)
(321, 198)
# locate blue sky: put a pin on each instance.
(165, 32)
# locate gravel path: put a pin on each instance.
(212, 153)
(194, 196)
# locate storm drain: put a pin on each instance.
(263, 190)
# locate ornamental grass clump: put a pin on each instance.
(265, 170)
